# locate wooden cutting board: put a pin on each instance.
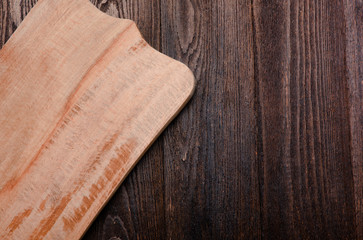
(82, 97)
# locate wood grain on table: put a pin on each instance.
(270, 146)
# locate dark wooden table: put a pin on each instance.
(270, 146)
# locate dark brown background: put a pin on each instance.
(270, 146)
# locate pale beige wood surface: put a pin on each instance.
(82, 96)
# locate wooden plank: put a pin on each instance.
(354, 59)
(306, 171)
(82, 98)
(211, 181)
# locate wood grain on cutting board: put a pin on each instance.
(82, 96)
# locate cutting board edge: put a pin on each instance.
(185, 102)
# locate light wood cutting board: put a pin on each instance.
(82, 97)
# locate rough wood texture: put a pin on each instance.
(270, 146)
(82, 96)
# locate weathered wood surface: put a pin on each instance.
(270, 146)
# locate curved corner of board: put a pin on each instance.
(132, 35)
(188, 78)
(181, 71)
